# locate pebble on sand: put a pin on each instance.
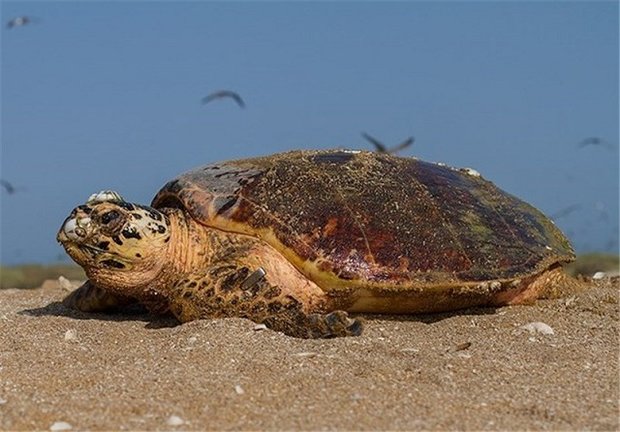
(174, 420)
(538, 327)
(306, 354)
(65, 284)
(61, 426)
(239, 390)
(460, 347)
(71, 335)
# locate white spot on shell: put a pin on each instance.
(174, 420)
(538, 327)
(104, 195)
(495, 285)
(60, 426)
(472, 172)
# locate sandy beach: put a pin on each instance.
(471, 370)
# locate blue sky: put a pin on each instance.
(106, 95)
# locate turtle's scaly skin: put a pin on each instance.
(332, 231)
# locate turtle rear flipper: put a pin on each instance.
(314, 326)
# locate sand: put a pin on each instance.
(472, 370)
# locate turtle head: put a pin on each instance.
(119, 244)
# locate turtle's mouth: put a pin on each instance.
(95, 251)
(88, 255)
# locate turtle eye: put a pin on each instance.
(108, 217)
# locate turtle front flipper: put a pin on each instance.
(229, 290)
(91, 298)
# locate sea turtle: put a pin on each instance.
(296, 240)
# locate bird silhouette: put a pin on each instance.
(10, 189)
(381, 148)
(224, 94)
(19, 21)
(595, 141)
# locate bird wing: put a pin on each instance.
(379, 146)
(8, 186)
(402, 145)
(209, 98)
(222, 94)
(237, 99)
(596, 141)
(588, 141)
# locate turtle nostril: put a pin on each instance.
(82, 222)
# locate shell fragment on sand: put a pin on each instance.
(306, 354)
(65, 284)
(174, 420)
(459, 347)
(71, 335)
(260, 327)
(538, 327)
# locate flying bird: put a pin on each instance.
(19, 21)
(381, 148)
(10, 189)
(224, 94)
(595, 141)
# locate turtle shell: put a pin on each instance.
(351, 218)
